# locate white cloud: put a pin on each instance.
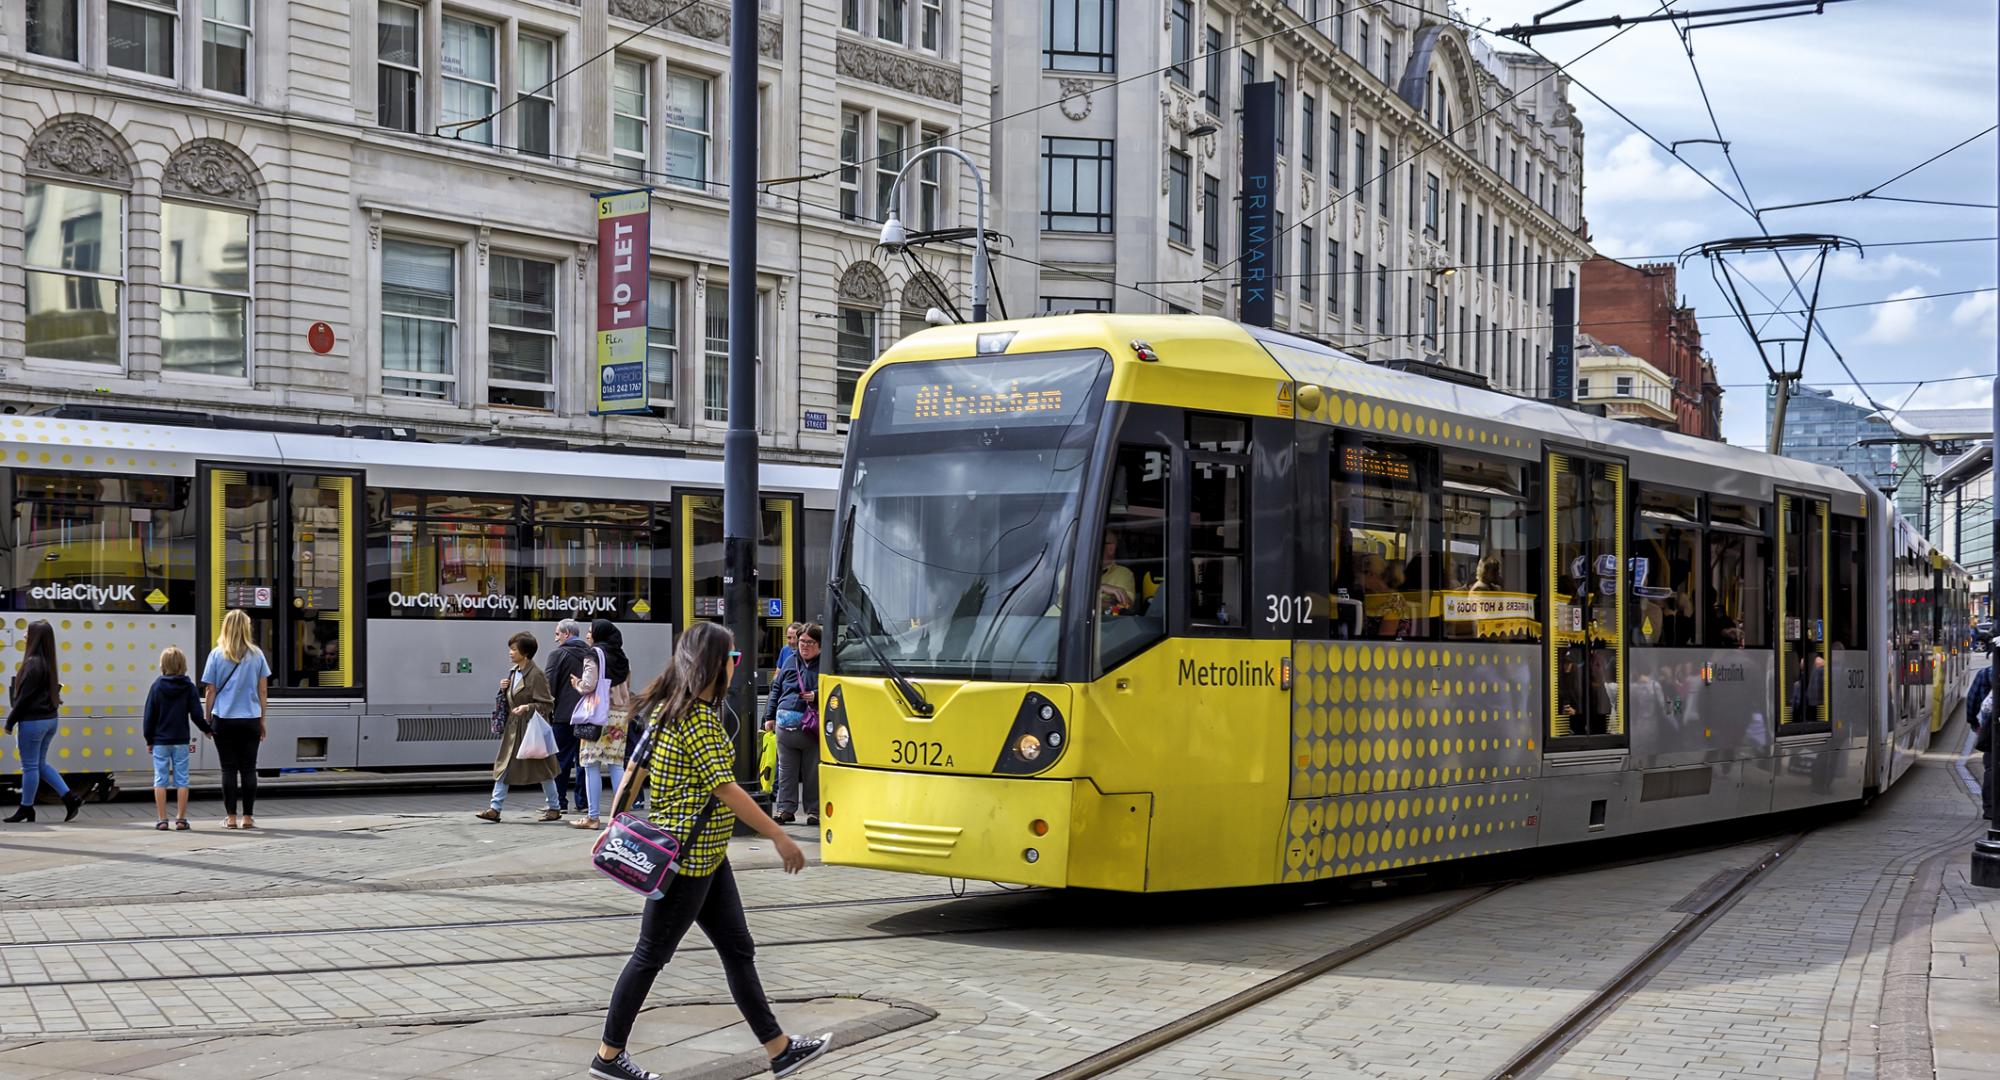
(1633, 171)
(1981, 313)
(1897, 323)
(1840, 266)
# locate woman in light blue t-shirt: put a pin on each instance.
(235, 687)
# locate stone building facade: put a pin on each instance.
(1639, 309)
(381, 212)
(1430, 194)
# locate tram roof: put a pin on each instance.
(1213, 363)
(154, 449)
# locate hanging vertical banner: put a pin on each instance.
(1562, 349)
(624, 248)
(1255, 210)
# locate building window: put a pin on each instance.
(139, 35)
(891, 138)
(521, 333)
(1381, 299)
(1306, 263)
(1388, 59)
(892, 19)
(663, 342)
(1361, 46)
(74, 254)
(1410, 206)
(1360, 292)
(687, 120)
(1284, 116)
(850, 15)
(204, 289)
(1179, 195)
(1431, 317)
(1338, 31)
(1583, 387)
(1334, 148)
(535, 73)
(1180, 40)
(1332, 274)
(1494, 270)
(1431, 197)
(1278, 277)
(1384, 180)
(1211, 220)
(1478, 342)
(52, 28)
(1513, 261)
(850, 165)
(715, 356)
(1076, 185)
(854, 350)
(225, 46)
(1514, 167)
(419, 319)
(398, 56)
(1211, 90)
(1080, 35)
(1460, 332)
(630, 101)
(1070, 305)
(930, 184)
(1623, 385)
(1360, 161)
(1308, 130)
(933, 29)
(470, 79)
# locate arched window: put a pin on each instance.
(920, 294)
(863, 292)
(205, 265)
(79, 178)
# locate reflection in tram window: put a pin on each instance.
(1132, 580)
(1382, 525)
(1739, 615)
(591, 559)
(441, 556)
(1666, 569)
(83, 542)
(1218, 498)
(1487, 570)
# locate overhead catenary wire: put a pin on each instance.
(1870, 193)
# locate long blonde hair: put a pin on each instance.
(235, 637)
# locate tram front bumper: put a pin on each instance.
(1053, 833)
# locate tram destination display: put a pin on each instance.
(1029, 391)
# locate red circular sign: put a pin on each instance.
(320, 337)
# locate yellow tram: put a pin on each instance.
(1165, 602)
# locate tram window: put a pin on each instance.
(1132, 588)
(476, 507)
(592, 512)
(592, 559)
(1486, 568)
(87, 542)
(439, 556)
(1381, 530)
(1218, 526)
(1739, 613)
(1666, 570)
(701, 567)
(1217, 434)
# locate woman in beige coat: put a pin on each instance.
(527, 695)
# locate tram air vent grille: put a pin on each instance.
(902, 838)
(1675, 783)
(443, 729)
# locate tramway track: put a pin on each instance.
(1715, 901)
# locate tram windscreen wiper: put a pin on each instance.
(911, 695)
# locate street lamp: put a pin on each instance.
(895, 237)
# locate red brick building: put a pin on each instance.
(1638, 309)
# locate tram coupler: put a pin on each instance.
(1986, 860)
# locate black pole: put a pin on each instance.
(739, 446)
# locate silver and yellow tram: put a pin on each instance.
(1158, 603)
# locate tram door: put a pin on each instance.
(283, 546)
(1587, 603)
(1804, 538)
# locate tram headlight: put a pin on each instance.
(840, 737)
(833, 718)
(1028, 748)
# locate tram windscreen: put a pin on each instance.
(963, 495)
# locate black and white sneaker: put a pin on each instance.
(794, 1057)
(619, 1068)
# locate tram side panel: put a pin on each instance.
(1701, 735)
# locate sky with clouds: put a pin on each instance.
(1817, 107)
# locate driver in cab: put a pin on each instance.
(1117, 589)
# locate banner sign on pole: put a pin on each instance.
(1562, 350)
(624, 250)
(1259, 259)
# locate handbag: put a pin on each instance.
(642, 856)
(810, 722)
(586, 721)
(538, 741)
(499, 712)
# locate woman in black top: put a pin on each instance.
(35, 701)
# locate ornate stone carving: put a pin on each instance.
(1305, 192)
(1076, 101)
(210, 169)
(79, 146)
(484, 243)
(863, 283)
(898, 71)
(923, 292)
(374, 230)
(707, 21)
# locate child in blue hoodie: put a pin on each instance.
(172, 705)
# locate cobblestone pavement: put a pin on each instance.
(395, 936)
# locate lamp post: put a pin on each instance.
(896, 237)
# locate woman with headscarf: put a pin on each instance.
(606, 752)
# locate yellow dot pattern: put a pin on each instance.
(1385, 725)
(1370, 398)
(104, 699)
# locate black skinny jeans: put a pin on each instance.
(712, 903)
(236, 742)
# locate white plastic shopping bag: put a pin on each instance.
(538, 742)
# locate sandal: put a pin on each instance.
(228, 823)
(249, 822)
(180, 825)
(586, 823)
(162, 826)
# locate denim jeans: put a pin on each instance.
(500, 792)
(36, 739)
(593, 782)
(170, 766)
